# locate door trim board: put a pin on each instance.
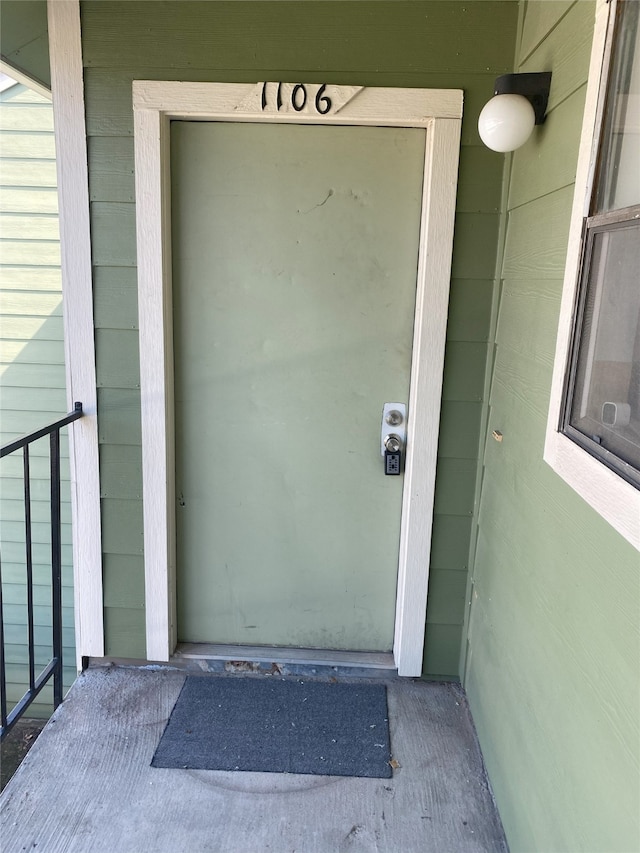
(439, 111)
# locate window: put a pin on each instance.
(602, 405)
(593, 434)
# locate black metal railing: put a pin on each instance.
(54, 668)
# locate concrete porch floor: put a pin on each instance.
(87, 785)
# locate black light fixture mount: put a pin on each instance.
(533, 86)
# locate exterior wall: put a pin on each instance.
(32, 375)
(426, 44)
(553, 663)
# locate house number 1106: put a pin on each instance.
(298, 98)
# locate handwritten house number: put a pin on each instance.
(299, 97)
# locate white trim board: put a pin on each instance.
(617, 501)
(15, 75)
(155, 103)
(75, 243)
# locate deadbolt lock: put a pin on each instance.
(394, 417)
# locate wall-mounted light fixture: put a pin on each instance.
(519, 103)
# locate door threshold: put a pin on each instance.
(242, 658)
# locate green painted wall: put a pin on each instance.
(426, 44)
(32, 377)
(554, 647)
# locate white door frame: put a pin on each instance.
(439, 111)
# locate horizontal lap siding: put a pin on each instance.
(424, 44)
(553, 636)
(32, 377)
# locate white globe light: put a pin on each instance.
(506, 122)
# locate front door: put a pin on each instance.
(295, 251)
(295, 262)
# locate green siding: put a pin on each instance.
(553, 656)
(32, 377)
(254, 36)
(435, 43)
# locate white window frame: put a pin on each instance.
(616, 500)
(439, 111)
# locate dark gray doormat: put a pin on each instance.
(278, 726)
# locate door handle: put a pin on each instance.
(392, 455)
(392, 444)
